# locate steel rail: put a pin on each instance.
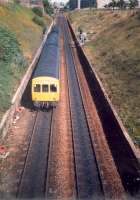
(74, 160)
(87, 175)
(47, 192)
(26, 157)
(32, 182)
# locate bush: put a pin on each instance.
(39, 21)
(9, 46)
(38, 11)
(12, 66)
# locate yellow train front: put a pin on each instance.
(45, 79)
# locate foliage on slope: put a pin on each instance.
(20, 21)
(12, 64)
(19, 40)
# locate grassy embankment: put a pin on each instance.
(114, 50)
(19, 39)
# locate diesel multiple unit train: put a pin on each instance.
(45, 79)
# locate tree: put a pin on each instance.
(121, 4)
(112, 4)
(47, 6)
(133, 4)
(67, 6)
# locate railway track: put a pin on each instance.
(88, 183)
(33, 178)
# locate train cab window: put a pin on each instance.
(37, 88)
(53, 88)
(45, 88)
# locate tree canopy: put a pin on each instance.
(48, 7)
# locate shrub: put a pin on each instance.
(12, 65)
(38, 11)
(39, 21)
(9, 47)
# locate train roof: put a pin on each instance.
(53, 36)
(48, 64)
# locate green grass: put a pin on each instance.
(19, 39)
(114, 49)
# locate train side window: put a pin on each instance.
(53, 88)
(45, 88)
(37, 88)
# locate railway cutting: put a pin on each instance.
(72, 150)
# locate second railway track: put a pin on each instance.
(88, 183)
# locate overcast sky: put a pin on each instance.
(59, 1)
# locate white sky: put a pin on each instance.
(65, 1)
